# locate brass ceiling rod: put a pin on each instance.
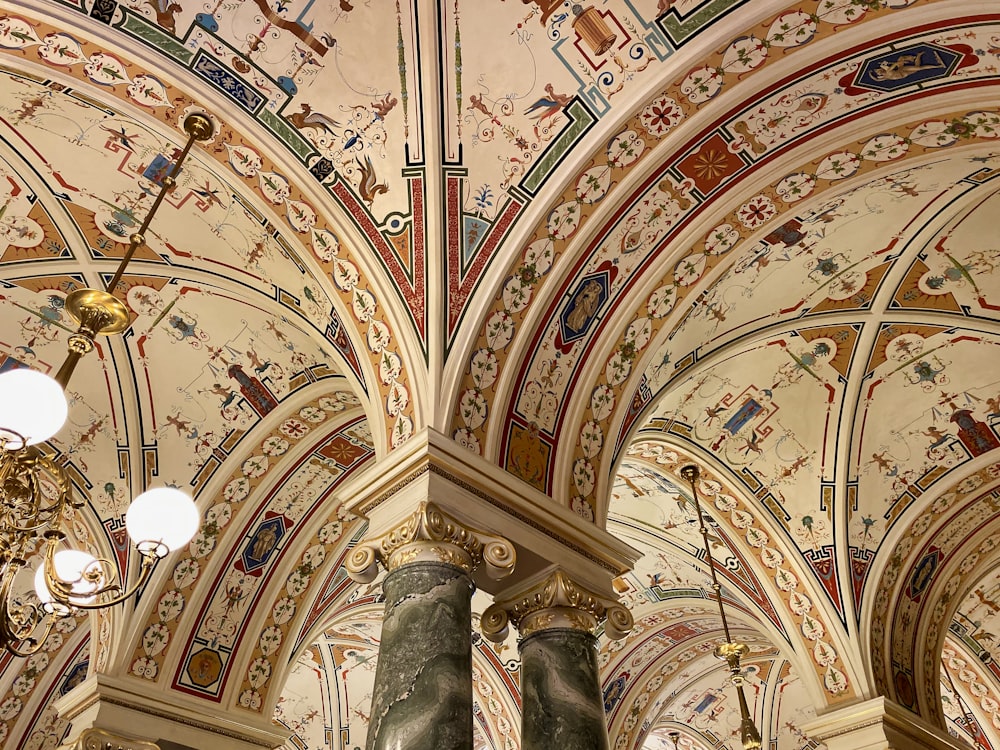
(731, 651)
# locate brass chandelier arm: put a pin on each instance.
(18, 622)
(32, 645)
(62, 590)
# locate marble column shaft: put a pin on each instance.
(563, 708)
(422, 699)
(423, 682)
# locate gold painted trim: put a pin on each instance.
(201, 725)
(99, 739)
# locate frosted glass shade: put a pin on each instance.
(160, 518)
(70, 565)
(32, 406)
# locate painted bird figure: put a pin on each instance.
(547, 106)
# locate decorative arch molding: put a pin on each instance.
(42, 676)
(314, 570)
(231, 531)
(639, 696)
(974, 695)
(811, 627)
(639, 360)
(920, 589)
(673, 558)
(498, 333)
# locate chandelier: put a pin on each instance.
(36, 494)
(731, 651)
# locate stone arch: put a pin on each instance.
(933, 565)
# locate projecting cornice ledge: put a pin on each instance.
(430, 467)
(878, 724)
(123, 707)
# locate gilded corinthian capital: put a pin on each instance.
(431, 535)
(555, 602)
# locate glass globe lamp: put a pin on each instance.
(33, 407)
(71, 566)
(161, 520)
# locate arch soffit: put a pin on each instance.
(497, 334)
(267, 515)
(811, 624)
(610, 405)
(921, 588)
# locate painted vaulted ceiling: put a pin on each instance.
(588, 242)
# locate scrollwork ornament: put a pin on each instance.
(499, 558)
(362, 564)
(619, 622)
(429, 534)
(495, 624)
(557, 602)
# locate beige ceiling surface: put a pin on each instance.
(588, 246)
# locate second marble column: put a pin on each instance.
(562, 704)
(561, 691)
(422, 699)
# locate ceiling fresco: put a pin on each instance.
(590, 243)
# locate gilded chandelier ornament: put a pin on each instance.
(36, 495)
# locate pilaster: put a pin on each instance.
(138, 719)
(878, 724)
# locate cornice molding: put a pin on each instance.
(434, 468)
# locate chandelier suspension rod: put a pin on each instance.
(691, 474)
(100, 312)
(731, 650)
(197, 131)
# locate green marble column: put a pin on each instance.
(423, 683)
(563, 708)
(561, 703)
(422, 698)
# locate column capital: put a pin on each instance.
(429, 534)
(554, 600)
(98, 739)
(877, 724)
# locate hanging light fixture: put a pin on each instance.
(731, 651)
(35, 491)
